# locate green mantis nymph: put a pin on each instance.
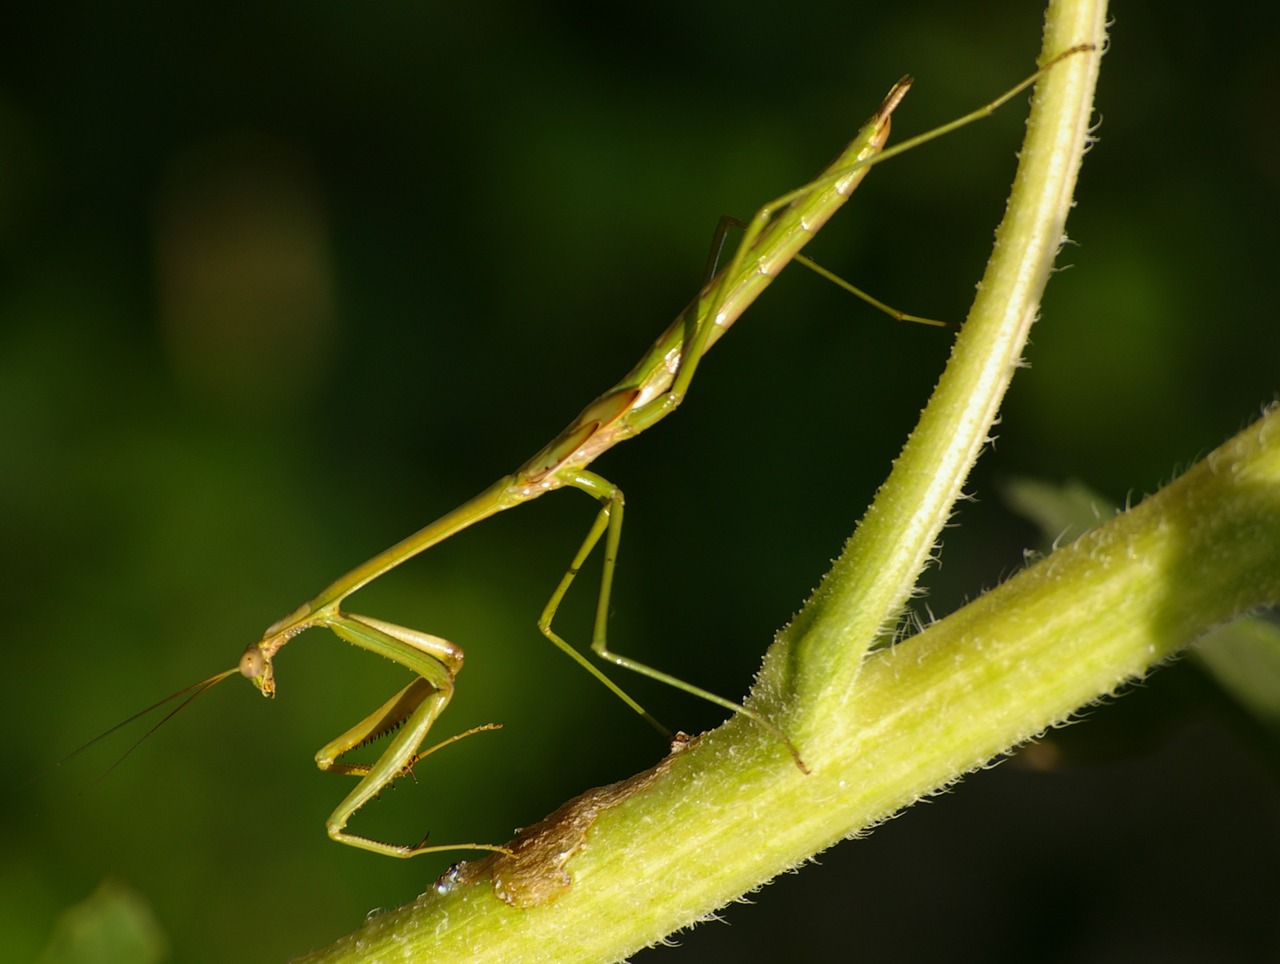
(650, 392)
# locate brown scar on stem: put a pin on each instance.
(535, 872)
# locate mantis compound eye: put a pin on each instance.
(252, 662)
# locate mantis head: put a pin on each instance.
(255, 661)
(255, 664)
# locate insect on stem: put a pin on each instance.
(651, 391)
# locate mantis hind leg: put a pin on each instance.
(728, 223)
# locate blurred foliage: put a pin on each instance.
(281, 282)
(112, 924)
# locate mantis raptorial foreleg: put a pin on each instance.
(409, 714)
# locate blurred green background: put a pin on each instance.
(282, 282)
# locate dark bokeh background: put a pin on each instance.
(281, 282)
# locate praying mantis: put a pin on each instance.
(653, 389)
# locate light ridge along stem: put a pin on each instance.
(732, 811)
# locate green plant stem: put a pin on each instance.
(863, 594)
(730, 811)
(882, 730)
